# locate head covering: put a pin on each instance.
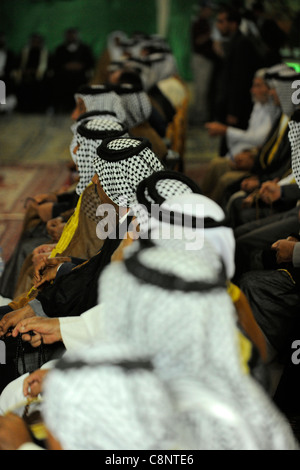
(294, 138)
(122, 164)
(281, 78)
(142, 66)
(163, 64)
(109, 397)
(261, 73)
(114, 40)
(135, 102)
(199, 217)
(85, 116)
(101, 98)
(90, 133)
(173, 305)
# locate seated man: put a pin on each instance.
(254, 166)
(183, 347)
(274, 293)
(119, 167)
(79, 238)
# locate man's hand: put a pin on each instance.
(42, 249)
(250, 184)
(40, 252)
(45, 211)
(46, 269)
(216, 129)
(232, 120)
(284, 250)
(13, 432)
(249, 200)
(46, 329)
(270, 192)
(33, 384)
(45, 197)
(11, 319)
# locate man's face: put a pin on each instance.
(223, 24)
(260, 91)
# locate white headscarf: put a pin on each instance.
(173, 305)
(109, 397)
(281, 77)
(173, 192)
(115, 50)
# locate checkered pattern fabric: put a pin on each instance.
(89, 136)
(102, 98)
(294, 138)
(109, 397)
(136, 104)
(122, 164)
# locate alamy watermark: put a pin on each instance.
(174, 221)
(2, 92)
(296, 94)
(296, 354)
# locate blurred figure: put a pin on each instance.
(203, 57)
(7, 69)
(73, 64)
(273, 37)
(239, 65)
(33, 93)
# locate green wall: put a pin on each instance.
(96, 19)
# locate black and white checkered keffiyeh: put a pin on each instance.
(89, 135)
(109, 397)
(282, 78)
(167, 192)
(122, 164)
(163, 64)
(101, 98)
(136, 104)
(143, 67)
(166, 310)
(294, 138)
(85, 116)
(156, 189)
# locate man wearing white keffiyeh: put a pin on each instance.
(128, 406)
(274, 297)
(164, 185)
(190, 332)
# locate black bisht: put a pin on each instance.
(77, 291)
